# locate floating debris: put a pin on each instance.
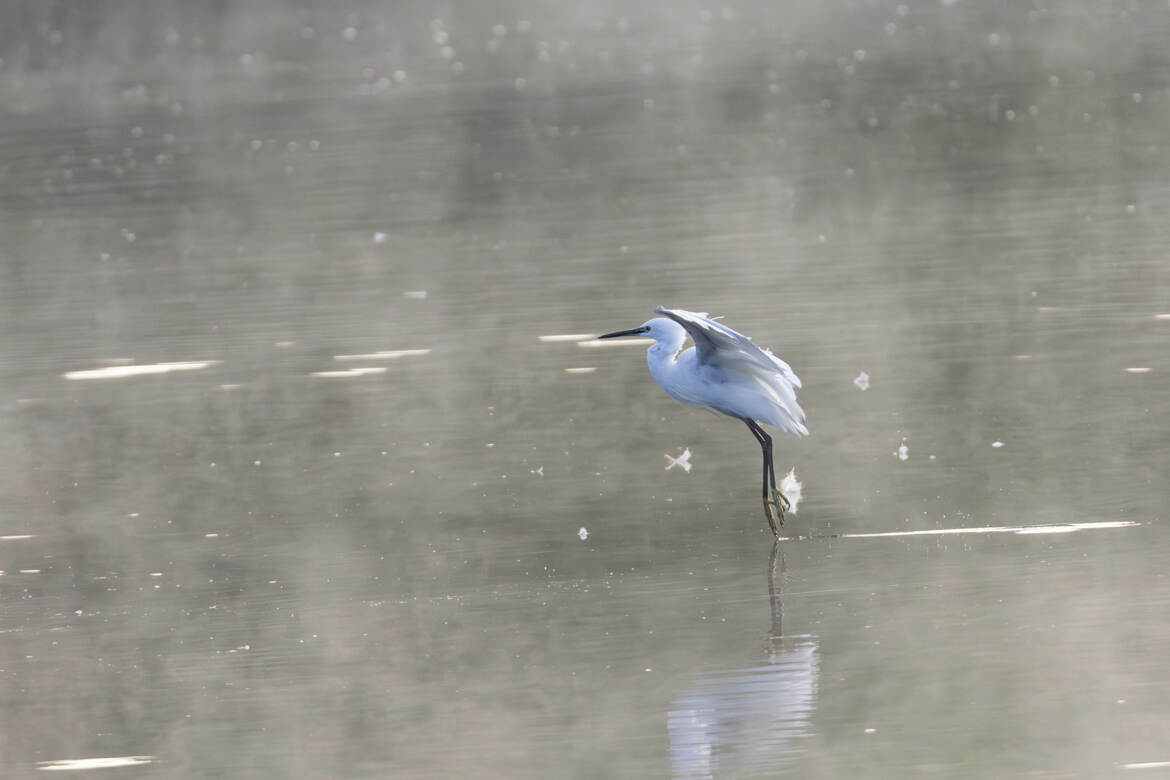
(997, 444)
(903, 452)
(790, 486)
(682, 461)
(862, 381)
(418, 295)
(1139, 369)
(583, 533)
(581, 370)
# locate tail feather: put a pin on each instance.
(780, 396)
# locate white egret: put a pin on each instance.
(725, 372)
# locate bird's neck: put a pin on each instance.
(663, 357)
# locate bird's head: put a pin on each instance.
(659, 329)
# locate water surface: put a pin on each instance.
(292, 487)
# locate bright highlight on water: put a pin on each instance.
(84, 764)
(1021, 530)
(122, 372)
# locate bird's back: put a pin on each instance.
(734, 376)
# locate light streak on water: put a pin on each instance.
(598, 343)
(350, 372)
(73, 764)
(555, 337)
(1050, 528)
(121, 372)
(386, 354)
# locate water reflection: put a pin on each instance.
(312, 197)
(748, 720)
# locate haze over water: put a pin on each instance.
(292, 487)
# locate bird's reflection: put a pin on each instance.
(748, 720)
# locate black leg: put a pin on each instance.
(774, 501)
(765, 443)
(771, 461)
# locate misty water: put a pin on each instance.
(292, 486)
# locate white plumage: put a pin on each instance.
(724, 371)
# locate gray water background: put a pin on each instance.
(252, 570)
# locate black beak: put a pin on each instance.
(631, 332)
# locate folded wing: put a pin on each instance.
(720, 347)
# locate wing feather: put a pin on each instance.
(719, 347)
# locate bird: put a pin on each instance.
(726, 373)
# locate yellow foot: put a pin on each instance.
(783, 500)
(774, 507)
